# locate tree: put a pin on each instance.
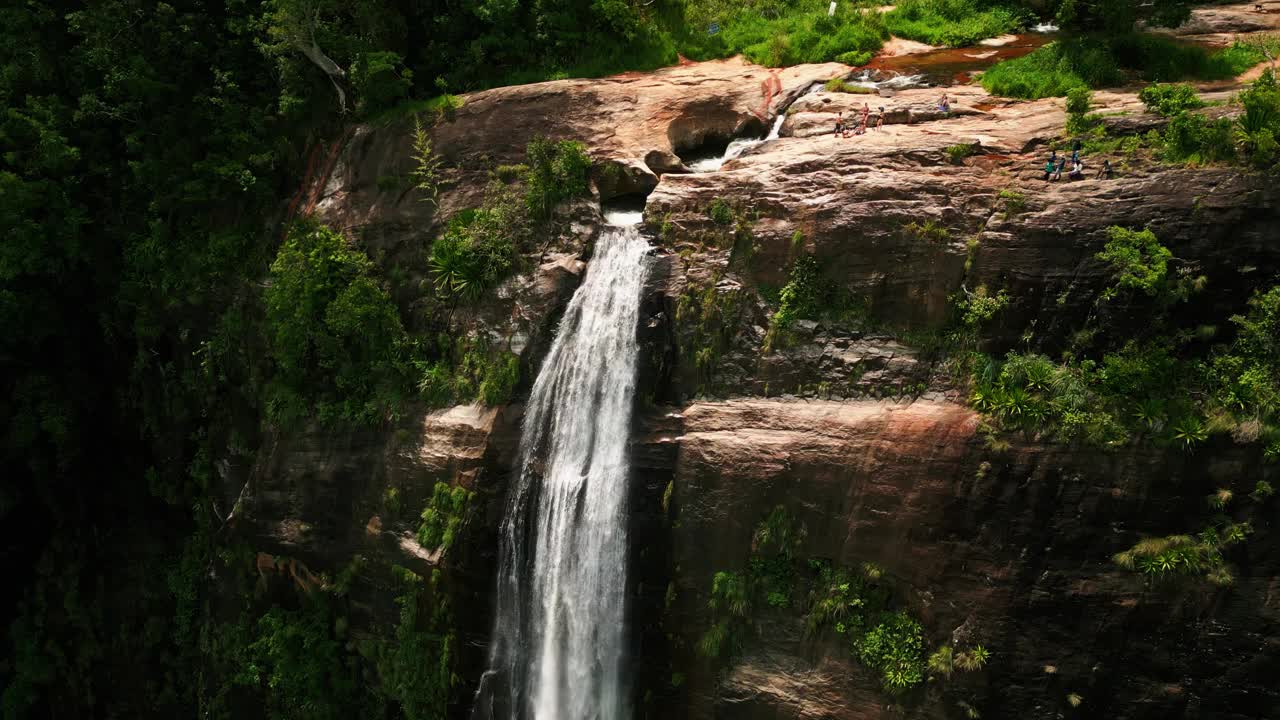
(1120, 16)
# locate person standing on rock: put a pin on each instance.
(880, 119)
(1062, 165)
(840, 128)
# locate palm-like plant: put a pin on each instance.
(1150, 412)
(942, 661)
(975, 658)
(1189, 432)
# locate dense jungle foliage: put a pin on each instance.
(159, 305)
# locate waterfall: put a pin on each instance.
(738, 146)
(557, 646)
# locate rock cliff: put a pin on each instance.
(851, 425)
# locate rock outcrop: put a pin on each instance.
(1008, 545)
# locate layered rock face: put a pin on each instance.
(1008, 548)
(849, 424)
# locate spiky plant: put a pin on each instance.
(942, 661)
(975, 658)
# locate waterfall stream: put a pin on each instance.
(557, 650)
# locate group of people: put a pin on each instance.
(1054, 167)
(857, 127)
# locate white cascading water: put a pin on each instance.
(739, 146)
(558, 640)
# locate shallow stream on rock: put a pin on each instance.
(948, 66)
(713, 161)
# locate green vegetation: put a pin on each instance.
(1079, 62)
(469, 369)
(775, 33)
(953, 23)
(929, 231)
(857, 605)
(1252, 137)
(945, 661)
(415, 671)
(427, 166)
(557, 171)
(731, 607)
(957, 153)
(1148, 387)
(443, 516)
(839, 85)
(1192, 138)
(801, 296)
(1170, 100)
(1013, 201)
(894, 647)
(1138, 262)
(1163, 558)
(339, 348)
(480, 247)
(720, 212)
(706, 318)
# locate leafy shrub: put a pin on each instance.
(720, 212)
(1014, 202)
(894, 648)
(1170, 100)
(1196, 140)
(980, 307)
(298, 655)
(1052, 71)
(1259, 126)
(1056, 68)
(443, 516)
(478, 248)
(730, 605)
(380, 80)
(800, 298)
(1245, 376)
(855, 58)
(1138, 260)
(957, 153)
(1079, 100)
(952, 23)
(788, 36)
(558, 171)
(335, 335)
(470, 371)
